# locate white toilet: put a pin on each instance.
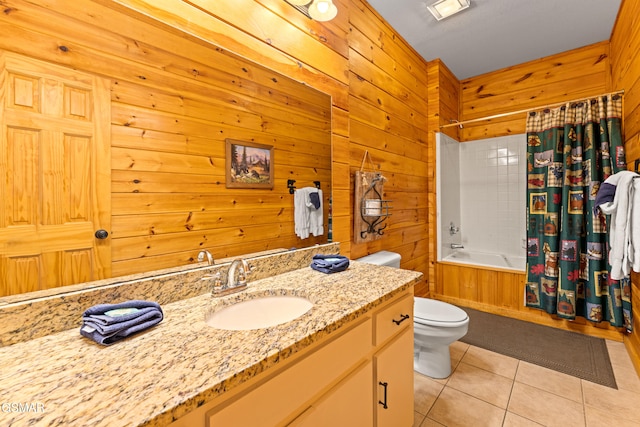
(436, 325)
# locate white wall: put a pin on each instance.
(491, 191)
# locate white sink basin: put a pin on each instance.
(261, 311)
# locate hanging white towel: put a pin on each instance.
(307, 219)
(300, 212)
(620, 233)
(316, 222)
(634, 226)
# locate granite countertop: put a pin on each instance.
(169, 370)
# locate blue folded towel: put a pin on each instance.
(315, 199)
(108, 323)
(330, 263)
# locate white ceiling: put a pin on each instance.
(494, 34)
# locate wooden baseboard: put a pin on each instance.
(539, 317)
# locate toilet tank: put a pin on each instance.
(387, 258)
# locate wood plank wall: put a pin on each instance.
(174, 102)
(377, 85)
(575, 74)
(388, 118)
(625, 74)
(444, 100)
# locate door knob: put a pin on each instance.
(101, 234)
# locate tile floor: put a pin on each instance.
(488, 389)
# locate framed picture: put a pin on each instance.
(249, 165)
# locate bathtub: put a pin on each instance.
(482, 259)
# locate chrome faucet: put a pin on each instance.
(205, 253)
(236, 278)
(456, 246)
(243, 270)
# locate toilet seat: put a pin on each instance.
(437, 313)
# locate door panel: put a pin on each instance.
(394, 381)
(55, 161)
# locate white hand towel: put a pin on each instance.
(301, 212)
(307, 219)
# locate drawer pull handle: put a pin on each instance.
(380, 402)
(403, 317)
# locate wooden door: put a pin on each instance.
(55, 168)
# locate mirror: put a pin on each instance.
(135, 159)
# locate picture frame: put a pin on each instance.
(249, 165)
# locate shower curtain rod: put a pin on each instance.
(512, 113)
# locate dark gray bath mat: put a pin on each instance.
(571, 353)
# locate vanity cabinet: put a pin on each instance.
(393, 364)
(335, 381)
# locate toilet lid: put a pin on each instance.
(431, 310)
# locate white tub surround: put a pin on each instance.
(481, 192)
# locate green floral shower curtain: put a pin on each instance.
(570, 151)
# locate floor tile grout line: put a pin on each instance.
(493, 353)
(444, 384)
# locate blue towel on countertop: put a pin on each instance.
(329, 263)
(109, 323)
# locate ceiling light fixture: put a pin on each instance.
(445, 8)
(323, 10)
(319, 10)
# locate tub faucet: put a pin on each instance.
(453, 229)
(456, 246)
(205, 253)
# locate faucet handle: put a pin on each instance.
(249, 268)
(242, 276)
(217, 284)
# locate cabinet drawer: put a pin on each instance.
(393, 319)
(280, 396)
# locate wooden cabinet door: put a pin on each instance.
(346, 404)
(55, 170)
(393, 382)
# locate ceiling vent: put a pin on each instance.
(445, 8)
